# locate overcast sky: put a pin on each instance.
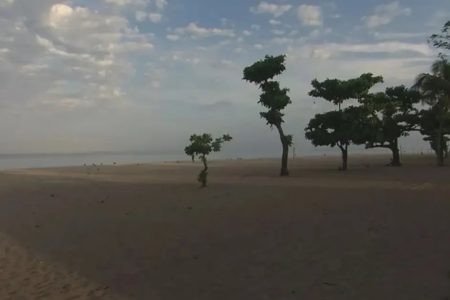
(89, 75)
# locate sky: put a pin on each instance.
(142, 75)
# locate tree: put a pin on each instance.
(429, 127)
(441, 40)
(273, 97)
(392, 115)
(435, 90)
(201, 146)
(339, 128)
(343, 127)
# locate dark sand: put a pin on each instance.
(147, 232)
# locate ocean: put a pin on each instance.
(24, 161)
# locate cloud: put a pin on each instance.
(68, 56)
(155, 17)
(277, 10)
(385, 14)
(400, 35)
(274, 22)
(173, 37)
(195, 31)
(141, 16)
(310, 15)
(330, 50)
(161, 4)
(126, 2)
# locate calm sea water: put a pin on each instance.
(21, 161)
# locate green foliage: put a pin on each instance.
(343, 127)
(338, 128)
(435, 89)
(430, 128)
(337, 91)
(265, 69)
(273, 97)
(200, 147)
(393, 115)
(442, 39)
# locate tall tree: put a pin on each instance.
(273, 97)
(392, 115)
(429, 127)
(343, 127)
(201, 146)
(435, 90)
(339, 128)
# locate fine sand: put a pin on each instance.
(148, 232)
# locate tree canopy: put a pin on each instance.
(441, 40)
(266, 69)
(337, 91)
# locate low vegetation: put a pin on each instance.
(200, 147)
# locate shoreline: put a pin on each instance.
(335, 156)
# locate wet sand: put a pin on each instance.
(149, 232)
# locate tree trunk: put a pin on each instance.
(395, 154)
(344, 150)
(203, 176)
(439, 148)
(284, 157)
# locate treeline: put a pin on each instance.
(375, 120)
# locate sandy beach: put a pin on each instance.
(148, 232)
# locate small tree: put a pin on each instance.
(201, 146)
(273, 97)
(393, 115)
(339, 128)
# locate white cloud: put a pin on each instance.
(126, 2)
(385, 14)
(310, 15)
(141, 16)
(400, 35)
(195, 31)
(161, 4)
(85, 47)
(277, 10)
(173, 37)
(329, 50)
(155, 17)
(274, 22)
